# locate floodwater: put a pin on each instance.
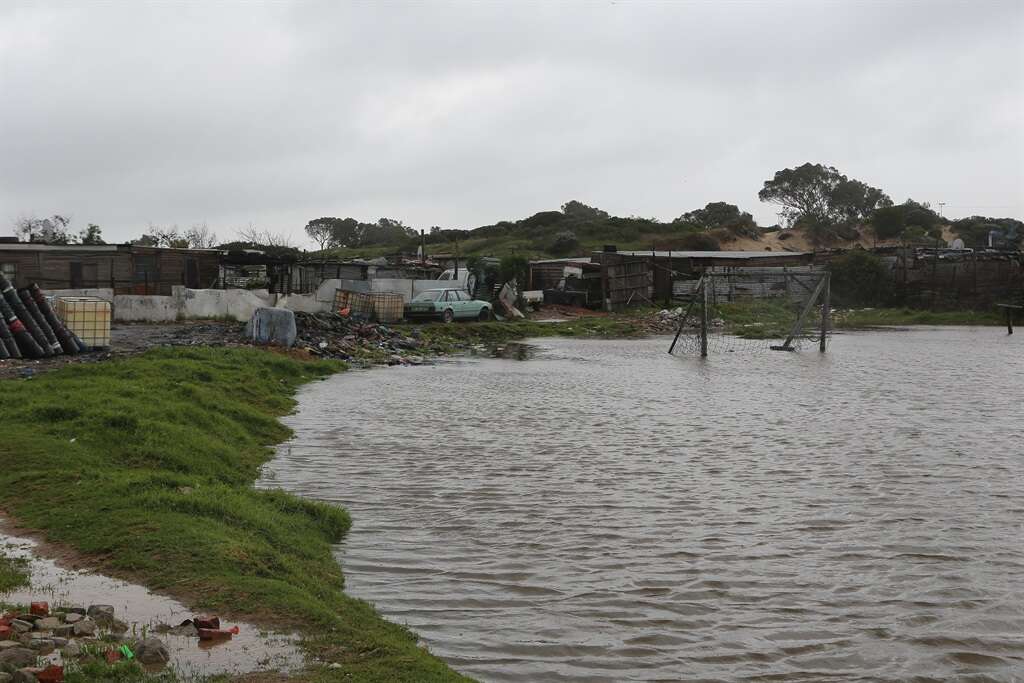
(607, 512)
(143, 611)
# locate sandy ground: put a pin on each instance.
(796, 240)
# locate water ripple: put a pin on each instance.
(607, 512)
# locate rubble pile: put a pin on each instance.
(332, 335)
(36, 644)
(666, 321)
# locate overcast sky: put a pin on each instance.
(463, 114)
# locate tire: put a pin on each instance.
(448, 315)
(485, 315)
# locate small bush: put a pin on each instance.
(859, 278)
(565, 243)
(699, 241)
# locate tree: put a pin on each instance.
(263, 237)
(564, 243)
(581, 211)
(385, 231)
(821, 196)
(199, 236)
(91, 235)
(1006, 233)
(345, 232)
(720, 215)
(859, 278)
(887, 222)
(52, 230)
(321, 231)
(145, 241)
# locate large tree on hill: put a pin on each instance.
(580, 210)
(717, 215)
(821, 196)
(321, 231)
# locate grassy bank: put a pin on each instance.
(146, 467)
(441, 338)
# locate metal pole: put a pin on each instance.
(704, 321)
(686, 314)
(826, 306)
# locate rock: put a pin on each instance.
(101, 614)
(72, 617)
(42, 645)
(188, 630)
(26, 675)
(152, 651)
(117, 626)
(59, 642)
(5, 677)
(20, 626)
(47, 623)
(72, 649)
(74, 609)
(7, 644)
(86, 627)
(18, 656)
(64, 631)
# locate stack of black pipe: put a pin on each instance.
(28, 326)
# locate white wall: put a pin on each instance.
(239, 304)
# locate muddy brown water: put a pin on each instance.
(606, 512)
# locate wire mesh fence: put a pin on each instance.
(766, 309)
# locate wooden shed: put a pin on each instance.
(127, 269)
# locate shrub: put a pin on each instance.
(859, 278)
(565, 243)
(698, 241)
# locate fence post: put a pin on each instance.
(704, 319)
(826, 308)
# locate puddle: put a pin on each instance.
(251, 650)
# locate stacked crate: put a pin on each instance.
(88, 317)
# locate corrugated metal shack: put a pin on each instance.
(127, 269)
(671, 271)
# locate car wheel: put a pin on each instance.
(485, 315)
(448, 315)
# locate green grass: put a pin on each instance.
(146, 466)
(875, 317)
(442, 338)
(13, 573)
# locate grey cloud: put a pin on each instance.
(461, 114)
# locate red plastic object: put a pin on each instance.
(113, 656)
(51, 674)
(40, 609)
(206, 621)
(215, 634)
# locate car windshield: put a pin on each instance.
(430, 295)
